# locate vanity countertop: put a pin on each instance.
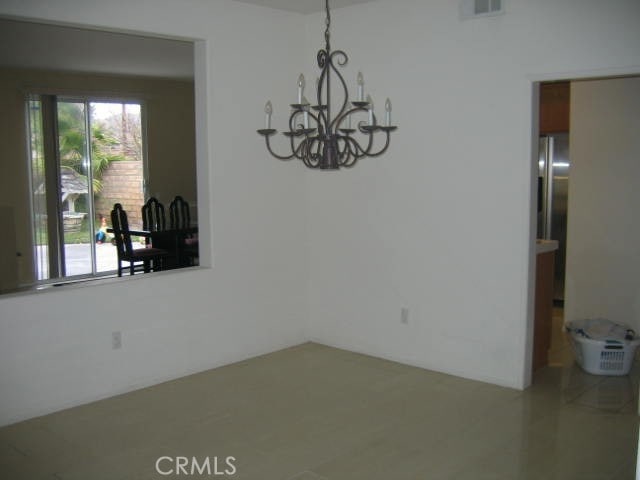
(544, 246)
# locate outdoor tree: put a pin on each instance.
(72, 143)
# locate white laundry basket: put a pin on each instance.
(604, 357)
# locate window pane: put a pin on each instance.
(38, 189)
(74, 187)
(117, 156)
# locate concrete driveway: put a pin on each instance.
(78, 259)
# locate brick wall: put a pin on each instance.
(122, 183)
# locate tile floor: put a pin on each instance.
(316, 413)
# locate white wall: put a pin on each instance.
(55, 347)
(603, 237)
(442, 223)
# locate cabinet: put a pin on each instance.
(544, 308)
(555, 100)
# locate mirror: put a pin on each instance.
(90, 118)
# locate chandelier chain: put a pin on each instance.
(327, 32)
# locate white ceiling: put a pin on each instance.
(303, 6)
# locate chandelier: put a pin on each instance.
(319, 138)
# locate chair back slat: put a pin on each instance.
(120, 226)
(180, 217)
(153, 218)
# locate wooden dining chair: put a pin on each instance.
(179, 216)
(153, 218)
(180, 220)
(139, 259)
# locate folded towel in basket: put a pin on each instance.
(601, 329)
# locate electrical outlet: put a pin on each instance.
(404, 315)
(116, 340)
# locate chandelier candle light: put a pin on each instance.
(330, 144)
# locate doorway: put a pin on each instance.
(554, 166)
(75, 143)
(601, 243)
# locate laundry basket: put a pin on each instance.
(613, 354)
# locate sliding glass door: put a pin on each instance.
(74, 141)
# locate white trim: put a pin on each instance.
(201, 55)
(598, 73)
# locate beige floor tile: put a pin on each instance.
(613, 393)
(317, 413)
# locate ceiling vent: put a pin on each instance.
(481, 8)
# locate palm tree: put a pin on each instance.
(72, 143)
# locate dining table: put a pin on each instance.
(171, 240)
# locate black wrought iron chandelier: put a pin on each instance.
(320, 139)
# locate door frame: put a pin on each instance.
(534, 85)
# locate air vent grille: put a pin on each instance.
(487, 6)
(481, 8)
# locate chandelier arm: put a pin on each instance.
(363, 152)
(367, 128)
(309, 164)
(348, 141)
(292, 121)
(301, 150)
(350, 150)
(342, 139)
(349, 162)
(280, 157)
(305, 150)
(305, 156)
(323, 58)
(318, 153)
(342, 59)
(360, 152)
(346, 154)
(357, 151)
(296, 130)
(352, 155)
(351, 111)
(312, 160)
(316, 118)
(310, 141)
(299, 111)
(383, 149)
(294, 148)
